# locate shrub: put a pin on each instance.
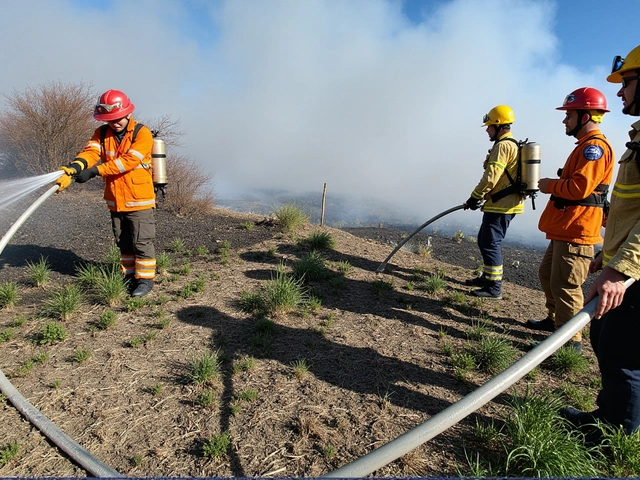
(190, 188)
(567, 360)
(310, 267)
(539, 446)
(291, 218)
(8, 451)
(205, 368)
(320, 240)
(39, 273)
(110, 285)
(434, 284)
(493, 354)
(107, 319)
(8, 294)
(163, 263)
(52, 332)
(283, 294)
(63, 303)
(217, 445)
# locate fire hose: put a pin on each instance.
(406, 239)
(470, 403)
(78, 454)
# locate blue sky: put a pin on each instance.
(378, 98)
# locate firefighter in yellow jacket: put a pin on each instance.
(615, 329)
(120, 152)
(501, 202)
(573, 217)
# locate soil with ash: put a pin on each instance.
(320, 389)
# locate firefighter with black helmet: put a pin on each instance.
(615, 329)
(500, 168)
(120, 153)
(573, 217)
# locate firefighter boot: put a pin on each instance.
(143, 288)
(545, 325)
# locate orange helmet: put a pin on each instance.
(585, 98)
(113, 105)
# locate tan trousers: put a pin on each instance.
(563, 270)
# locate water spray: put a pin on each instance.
(78, 454)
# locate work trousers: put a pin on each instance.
(492, 231)
(563, 270)
(614, 339)
(134, 233)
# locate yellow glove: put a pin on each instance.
(68, 170)
(64, 181)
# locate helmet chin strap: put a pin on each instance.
(579, 125)
(496, 129)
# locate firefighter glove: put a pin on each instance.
(472, 203)
(86, 174)
(63, 182)
(70, 169)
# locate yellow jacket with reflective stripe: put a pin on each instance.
(124, 166)
(621, 246)
(502, 156)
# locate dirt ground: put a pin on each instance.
(375, 359)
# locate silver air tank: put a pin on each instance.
(530, 167)
(159, 165)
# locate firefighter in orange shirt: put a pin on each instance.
(120, 152)
(573, 216)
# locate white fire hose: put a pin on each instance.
(451, 415)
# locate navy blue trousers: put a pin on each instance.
(615, 339)
(492, 232)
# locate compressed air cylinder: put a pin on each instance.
(530, 166)
(159, 162)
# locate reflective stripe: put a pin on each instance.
(139, 204)
(499, 164)
(136, 153)
(110, 203)
(94, 145)
(110, 153)
(146, 268)
(626, 191)
(492, 272)
(606, 258)
(120, 165)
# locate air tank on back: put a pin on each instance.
(530, 167)
(159, 165)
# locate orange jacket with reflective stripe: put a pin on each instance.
(124, 166)
(589, 165)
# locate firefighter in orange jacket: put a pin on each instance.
(573, 216)
(120, 152)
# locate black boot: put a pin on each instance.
(475, 282)
(545, 325)
(143, 288)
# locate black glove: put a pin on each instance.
(472, 203)
(86, 174)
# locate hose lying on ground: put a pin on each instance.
(470, 403)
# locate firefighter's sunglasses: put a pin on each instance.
(105, 108)
(617, 64)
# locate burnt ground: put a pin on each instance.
(375, 350)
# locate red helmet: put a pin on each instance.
(113, 105)
(585, 98)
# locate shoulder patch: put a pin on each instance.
(593, 152)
